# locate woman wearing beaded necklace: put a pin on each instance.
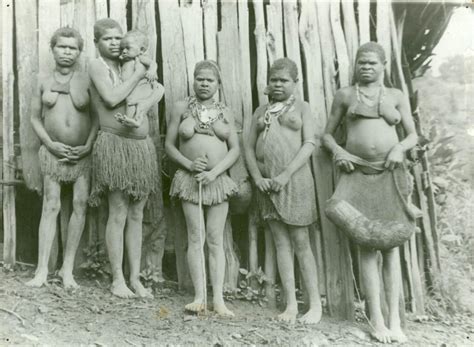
(374, 186)
(202, 140)
(278, 149)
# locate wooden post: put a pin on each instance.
(292, 47)
(9, 219)
(350, 31)
(101, 10)
(274, 31)
(340, 44)
(260, 40)
(364, 21)
(210, 28)
(27, 67)
(339, 283)
(191, 22)
(383, 30)
(84, 19)
(118, 11)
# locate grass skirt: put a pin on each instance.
(124, 164)
(62, 172)
(185, 187)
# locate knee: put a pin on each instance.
(214, 243)
(135, 215)
(51, 203)
(117, 215)
(194, 241)
(79, 205)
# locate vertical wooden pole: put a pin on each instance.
(101, 10)
(383, 30)
(350, 30)
(260, 40)
(9, 219)
(67, 13)
(118, 11)
(27, 67)
(209, 8)
(340, 44)
(364, 21)
(274, 30)
(292, 47)
(84, 19)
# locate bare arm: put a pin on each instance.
(396, 154)
(57, 148)
(112, 96)
(263, 184)
(151, 65)
(305, 151)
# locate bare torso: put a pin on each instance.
(370, 138)
(65, 121)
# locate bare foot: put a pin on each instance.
(289, 315)
(39, 279)
(222, 310)
(398, 335)
(196, 306)
(313, 316)
(68, 280)
(121, 290)
(381, 333)
(140, 290)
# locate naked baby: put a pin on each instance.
(148, 91)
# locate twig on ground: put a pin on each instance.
(131, 343)
(14, 314)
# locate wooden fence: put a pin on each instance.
(244, 37)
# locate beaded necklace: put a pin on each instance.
(205, 115)
(381, 96)
(275, 110)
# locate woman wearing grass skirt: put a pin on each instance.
(125, 168)
(202, 140)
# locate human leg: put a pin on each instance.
(196, 261)
(301, 245)
(133, 242)
(284, 254)
(215, 222)
(371, 282)
(75, 228)
(47, 229)
(118, 208)
(391, 274)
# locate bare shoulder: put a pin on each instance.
(303, 105)
(82, 78)
(179, 107)
(343, 95)
(43, 79)
(260, 110)
(96, 66)
(395, 93)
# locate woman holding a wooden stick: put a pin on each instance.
(202, 139)
(371, 201)
(278, 149)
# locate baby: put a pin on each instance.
(148, 91)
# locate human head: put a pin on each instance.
(133, 44)
(207, 78)
(283, 78)
(66, 32)
(104, 24)
(370, 63)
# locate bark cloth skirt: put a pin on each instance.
(123, 163)
(63, 172)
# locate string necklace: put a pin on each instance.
(275, 110)
(67, 82)
(116, 79)
(381, 96)
(206, 115)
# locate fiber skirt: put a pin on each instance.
(63, 172)
(124, 164)
(185, 187)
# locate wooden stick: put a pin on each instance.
(49, 15)
(101, 10)
(274, 31)
(350, 31)
(340, 44)
(9, 218)
(118, 11)
(383, 30)
(292, 47)
(260, 40)
(209, 9)
(14, 314)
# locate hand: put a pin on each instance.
(206, 177)
(395, 157)
(80, 151)
(140, 69)
(126, 121)
(59, 149)
(264, 185)
(200, 164)
(151, 75)
(280, 181)
(345, 165)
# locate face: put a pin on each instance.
(130, 49)
(66, 51)
(369, 67)
(205, 84)
(281, 85)
(109, 43)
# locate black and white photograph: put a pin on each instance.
(237, 173)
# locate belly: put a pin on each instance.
(370, 139)
(200, 145)
(64, 123)
(107, 119)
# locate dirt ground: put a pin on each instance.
(90, 315)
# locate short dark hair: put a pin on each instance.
(104, 24)
(372, 47)
(210, 65)
(285, 64)
(66, 32)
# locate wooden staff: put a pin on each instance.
(203, 262)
